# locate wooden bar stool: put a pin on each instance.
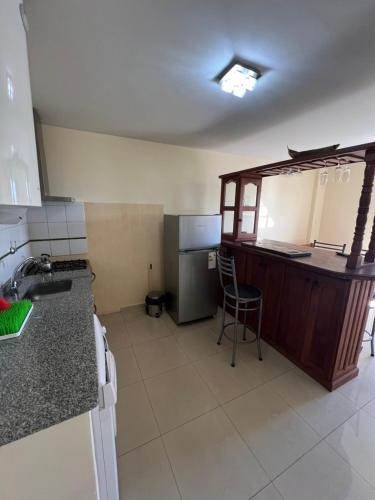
(247, 298)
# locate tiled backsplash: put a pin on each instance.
(10, 236)
(58, 229)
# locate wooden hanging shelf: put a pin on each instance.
(346, 156)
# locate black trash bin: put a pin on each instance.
(154, 303)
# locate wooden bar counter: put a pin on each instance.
(315, 307)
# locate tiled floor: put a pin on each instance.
(191, 427)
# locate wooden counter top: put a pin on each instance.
(321, 261)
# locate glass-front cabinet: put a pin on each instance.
(240, 198)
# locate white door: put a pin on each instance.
(19, 175)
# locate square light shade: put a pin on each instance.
(238, 80)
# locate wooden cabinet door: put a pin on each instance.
(267, 275)
(294, 306)
(324, 323)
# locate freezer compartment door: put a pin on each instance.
(199, 231)
(198, 284)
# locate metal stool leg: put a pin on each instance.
(259, 329)
(234, 353)
(244, 325)
(222, 323)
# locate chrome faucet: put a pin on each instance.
(14, 284)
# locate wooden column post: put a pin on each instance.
(355, 258)
(370, 254)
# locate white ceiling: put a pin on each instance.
(145, 69)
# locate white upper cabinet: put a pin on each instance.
(19, 177)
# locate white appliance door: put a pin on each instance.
(199, 231)
(104, 419)
(109, 452)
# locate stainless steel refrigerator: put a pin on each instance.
(191, 280)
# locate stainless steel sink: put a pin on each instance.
(41, 291)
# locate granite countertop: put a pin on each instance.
(48, 374)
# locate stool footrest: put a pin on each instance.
(239, 341)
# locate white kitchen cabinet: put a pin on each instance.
(19, 177)
(57, 463)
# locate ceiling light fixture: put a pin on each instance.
(239, 78)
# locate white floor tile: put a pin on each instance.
(197, 343)
(126, 367)
(178, 396)
(225, 381)
(135, 421)
(269, 493)
(113, 322)
(370, 408)
(322, 409)
(322, 474)
(195, 325)
(169, 321)
(117, 333)
(210, 460)
(145, 328)
(273, 364)
(355, 442)
(145, 474)
(158, 356)
(360, 390)
(131, 313)
(277, 435)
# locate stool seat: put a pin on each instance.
(245, 292)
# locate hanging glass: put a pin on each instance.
(339, 170)
(346, 174)
(323, 175)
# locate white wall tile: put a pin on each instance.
(49, 221)
(57, 230)
(56, 213)
(37, 214)
(4, 272)
(76, 229)
(78, 246)
(22, 233)
(39, 247)
(38, 230)
(12, 235)
(75, 212)
(5, 238)
(59, 248)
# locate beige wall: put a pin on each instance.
(286, 205)
(123, 240)
(103, 168)
(121, 180)
(340, 208)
